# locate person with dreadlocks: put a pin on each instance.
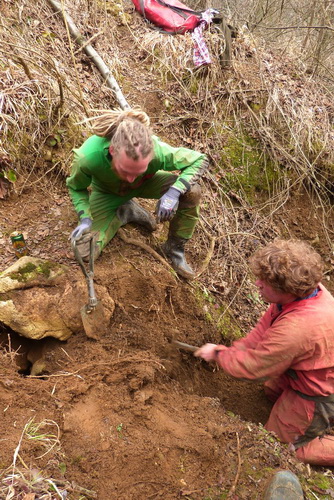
(124, 160)
(291, 348)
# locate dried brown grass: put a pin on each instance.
(289, 118)
(44, 92)
(20, 481)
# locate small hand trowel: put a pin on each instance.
(92, 314)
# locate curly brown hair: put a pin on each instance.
(290, 266)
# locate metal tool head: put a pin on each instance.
(185, 347)
(94, 321)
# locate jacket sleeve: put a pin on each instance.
(270, 357)
(77, 184)
(191, 164)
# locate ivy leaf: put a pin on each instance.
(10, 175)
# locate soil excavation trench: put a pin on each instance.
(245, 399)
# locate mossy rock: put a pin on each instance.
(30, 271)
(40, 298)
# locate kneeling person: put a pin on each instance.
(292, 346)
(124, 160)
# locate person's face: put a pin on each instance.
(270, 294)
(126, 168)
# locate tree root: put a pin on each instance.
(144, 246)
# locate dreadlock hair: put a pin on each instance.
(290, 266)
(127, 129)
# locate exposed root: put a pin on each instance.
(132, 241)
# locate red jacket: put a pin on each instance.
(299, 337)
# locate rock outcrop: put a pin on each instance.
(40, 298)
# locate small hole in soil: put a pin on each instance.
(25, 372)
(27, 354)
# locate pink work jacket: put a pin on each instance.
(298, 337)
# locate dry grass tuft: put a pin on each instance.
(20, 481)
(44, 89)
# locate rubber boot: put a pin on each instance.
(284, 486)
(174, 250)
(133, 212)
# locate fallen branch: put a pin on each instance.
(235, 482)
(64, 374)
(297, 27)
(88, 42)
(207, 258)
(92, 54)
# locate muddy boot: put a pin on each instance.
(133, 212)
(174, 250)
(284, 486)
(83, 246)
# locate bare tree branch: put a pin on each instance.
(92, 54)
(296, 27)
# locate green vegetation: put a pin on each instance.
(247, 167)
(31, 271)
(217, 314)
(24, 273)
(320, 481)
(119, 429)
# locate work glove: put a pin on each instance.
(82, 228)
(167, 205)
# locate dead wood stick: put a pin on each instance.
(65, 374)
(88, 42)
(236, 479)
(208, 257)
(144, 246)
(92, 54)
(297, 27)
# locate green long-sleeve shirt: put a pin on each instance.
(92, 167)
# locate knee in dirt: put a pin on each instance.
(192, 197)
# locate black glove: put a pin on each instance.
(167, 205)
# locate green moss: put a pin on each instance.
(23, 273)
(216, 314)
(257, 474)
(226, 326)
(320, 481)
(46, 267)
(30, 271)
(247, 167)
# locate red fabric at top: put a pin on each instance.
(300, 337)
(165, 18)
